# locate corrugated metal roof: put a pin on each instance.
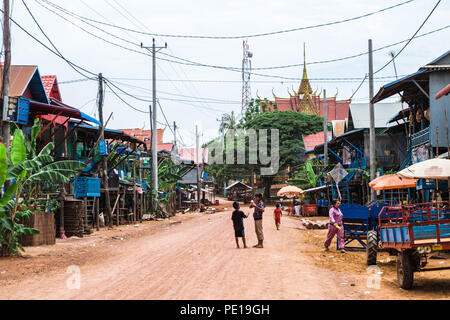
(26, 81)
(383, 113)
(20, 77)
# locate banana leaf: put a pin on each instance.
(8, 194)
(18, 150)
(53, 176)
(65, 165)
(47, 149)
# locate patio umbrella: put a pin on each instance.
(289, 191)
(438, 169)
(392, 181)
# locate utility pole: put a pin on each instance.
(197, 145)
(6, 73)
(104, 171)
(153, 49)
(175, 146)
(325, 129)
(373, 167)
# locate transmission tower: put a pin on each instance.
(246, 71)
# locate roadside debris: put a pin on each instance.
(310, 224)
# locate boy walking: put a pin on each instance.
(238, 224)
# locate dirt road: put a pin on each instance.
(188, 258)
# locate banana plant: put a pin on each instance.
(168, 176)
(21, 170)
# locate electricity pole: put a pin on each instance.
(325, 129)
(104, 171)
(175, 138)
(153, 49)
(197, 143)
(6, 73)
(373, 167)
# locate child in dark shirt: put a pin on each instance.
(238, 224)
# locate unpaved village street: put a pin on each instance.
(192, 256)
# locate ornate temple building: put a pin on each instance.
(307, 101)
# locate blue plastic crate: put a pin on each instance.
(102, 147)
(23, 110)
(86, 187)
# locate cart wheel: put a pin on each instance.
(372, 247)
(405, 271)
(415, 260)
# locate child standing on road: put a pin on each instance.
(277, 215)
(238, 224)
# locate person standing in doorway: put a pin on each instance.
(335, 227)
(257, 216)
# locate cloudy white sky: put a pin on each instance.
(207, 92)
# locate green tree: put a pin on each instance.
(228, 122)
(291, 126)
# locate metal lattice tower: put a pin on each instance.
(246, 71)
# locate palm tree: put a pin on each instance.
(228, 122)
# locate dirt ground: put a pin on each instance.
(193, 256)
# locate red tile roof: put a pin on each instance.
(313, 140)
(165, 146)
(189, 154)
(336, 110)
(283, 104)
(51, 87)
(146, 135)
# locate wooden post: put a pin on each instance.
(85, 214)
(61, 219)
(104, 170)
(134, 190)
(6, 72)
(97, 212)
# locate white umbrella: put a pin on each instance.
(429, 169)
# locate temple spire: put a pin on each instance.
(305, 87)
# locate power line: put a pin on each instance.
(414, 35)
(164, 115)
(143, 89)
(239, 36)
(315, 80)
(321, 61)
(72, 65)
(183, 61)
(107, 82)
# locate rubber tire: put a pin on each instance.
(405, 270)
(372, 247)
(415, 261)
